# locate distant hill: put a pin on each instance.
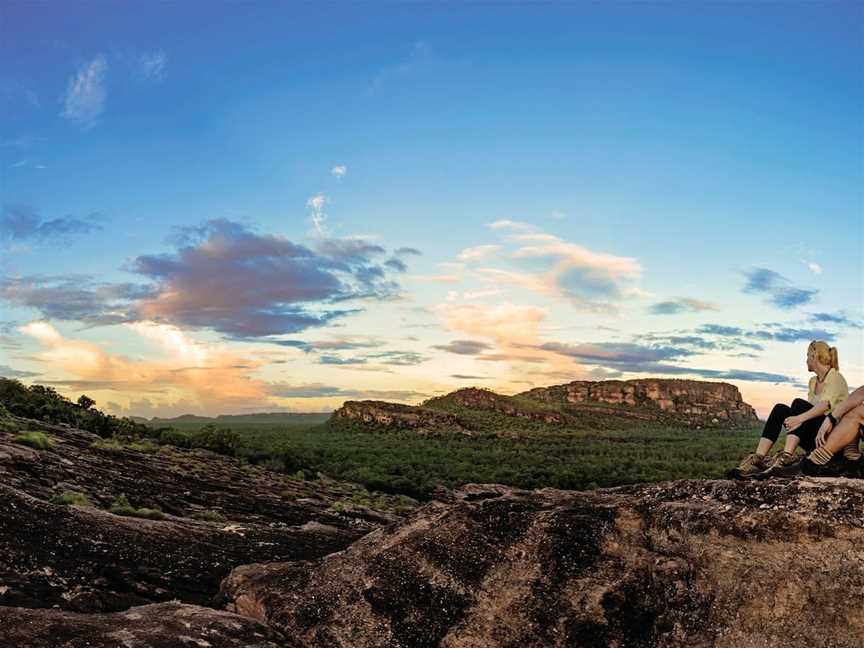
(293, 418)
(581, 404)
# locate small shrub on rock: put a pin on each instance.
(38, 440)
(71, 498)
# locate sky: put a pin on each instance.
(231, 207)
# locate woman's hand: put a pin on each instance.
(792, 423)
(824, 431)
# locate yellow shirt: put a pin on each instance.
(834, 389)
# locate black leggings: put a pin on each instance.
(806, 432)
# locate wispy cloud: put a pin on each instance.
(150, 66)
(778, 288)
(840, 318)
(339, 171)
(420, 58)
(315, 204)
(477, 253)
(587, 279)
(319, 390)
(634, 358)
(464, 347)
(86, 93)
(22, 223)
(681, 305)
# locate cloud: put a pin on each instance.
(86, 93)
(339, 171)
(813, 267)
(617, 354)
(319, 390)
(769, 332)
(505, 323)
(589, 280)
(336, 360)
(408, 358)
(778, 288)
(464, 347)
(222, 277)
(634, 358)
(442, 278)
(73, 298)
(407, 250)
(477, 253)
(469, 377)
(150, 66)
(8, 372)
(22, 223)
(329, 345)
(316, 205)
(209, 376)
(419, 60)
(840, 319)
(506, 224)
(243, 284)
(681, 305)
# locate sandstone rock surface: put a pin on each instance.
(89, 560)
(689, 563)
(163, 625)
(697, 401)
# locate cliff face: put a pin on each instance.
(396, 416)
(691, 563)
(695, 401)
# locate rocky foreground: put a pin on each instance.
(690, 563)
(85, 558)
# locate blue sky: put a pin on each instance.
(220, 192)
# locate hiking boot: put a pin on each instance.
(834, 468)
(783, 464)
(753, 464)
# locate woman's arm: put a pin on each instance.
(852, 401)
(794, 422)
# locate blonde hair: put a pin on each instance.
(825, 354)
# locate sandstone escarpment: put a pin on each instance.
(691, 563)
(396, 416)
(695, 401)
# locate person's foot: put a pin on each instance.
(752, 465)
(834, 468)
(852, 452)
(783, 464)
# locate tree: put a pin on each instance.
(85, 402)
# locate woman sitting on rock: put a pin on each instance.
(801, 419)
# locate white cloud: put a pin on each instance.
(511, 225)
(814, 267)
(477, 252)
(339, 171)
(316, 205)
(86, 93)
(150, 66)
